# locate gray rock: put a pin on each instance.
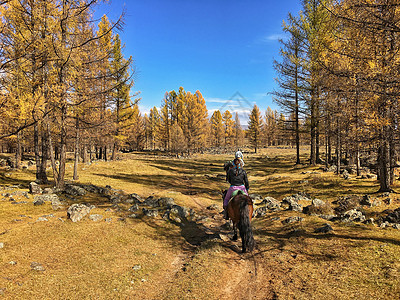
(151, 201)
(150, 212)
(261, 212)
(95, 217)
(135, 198)
(292, 220)
(317, 203)
(1, 245)
(166, 202)
(34, 188)
(38, 202)
(353, 215)
(48, 191)
(77, 212)
(74, 190)
(295, 207)
(56, 204)
(369, 201)
(37, 267)
(134, 208)
(324, 229)
(255, 197)
(46, 197)
(41, 219)
(136, 267)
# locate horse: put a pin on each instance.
(240, 211)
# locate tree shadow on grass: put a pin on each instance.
(164, 182)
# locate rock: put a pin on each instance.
(151, 201)
(150, 212)
(37, 266)
(260, 212)
(95, 217)
(292, 220)
(134, 198)
(56, 204)
(13, 263)
(346, 174)
(1, 245)
(34, 188)
(324, 229)
(42, 219)
(74, 190)
(255, 197)
(134, 208)
(165, 202)
(136, 267)
(295, 207)
(271, 204)
(347, 203)
(371, 202)
(393, 217)
(47, 197)
(213, 207)
(77, 212)
(369, 221)
(38, 202)
(319, 208)
(48, 191)
(332, 168)
(353, 215)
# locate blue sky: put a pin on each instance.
(218, 47)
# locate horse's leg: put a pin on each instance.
(235, 236)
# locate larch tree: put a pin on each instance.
(228, 128)
(255, 127)
(217, 129)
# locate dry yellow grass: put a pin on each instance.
(95, 260)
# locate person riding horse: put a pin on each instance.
(237, 177)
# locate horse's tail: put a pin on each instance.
(245, 227)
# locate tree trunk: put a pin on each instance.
(18, 153)
(63, 149)
(76, 158)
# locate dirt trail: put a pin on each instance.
(246, 276)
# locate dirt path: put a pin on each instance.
(245, 276)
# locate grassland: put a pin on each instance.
(100, 260)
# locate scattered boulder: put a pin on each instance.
(133, 208)
(260, 212)
(77, 212)
(38, 202)
(346, 174)
(295, 207)
(271, 204)
(135, 199)
(151, 201)
(318, 208)
(37, 267)
(255, 197)
(48, 191)
(95, 217)
(165, 202)
(1, 245)
(74, 190)
(353, 215)
(150, 212)
(347, 203)
(46, 197)
(369, 201)
(56, 204)
(34, 188)
(292, 220)
(393, 217)
(324, 229)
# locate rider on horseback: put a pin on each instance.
(237, 177)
